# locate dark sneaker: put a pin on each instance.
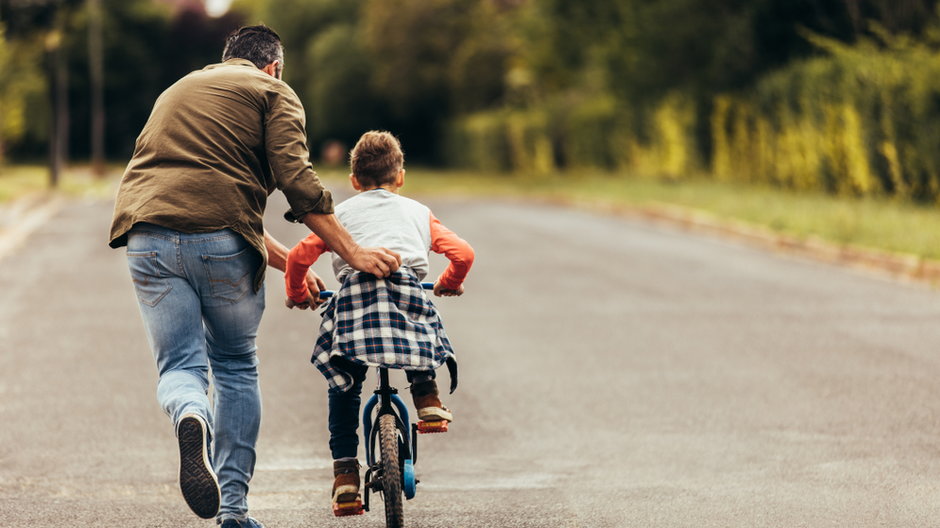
(198, 482)
(346, 498)
(247, 523)
(428, 402)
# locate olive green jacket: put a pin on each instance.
(218, 142)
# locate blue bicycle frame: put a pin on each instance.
(388, 401)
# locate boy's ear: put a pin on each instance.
(400, 180)
(355, 182)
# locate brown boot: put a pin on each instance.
(428, 402)
(346, 499)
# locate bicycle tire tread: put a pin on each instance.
(391, 471)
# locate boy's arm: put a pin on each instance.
(297, 265)
(457, 250)
(277, 259)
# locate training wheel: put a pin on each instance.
(409, 477)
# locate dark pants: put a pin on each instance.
(344, 409)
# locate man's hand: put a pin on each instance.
(314, 286)
(380, 262)
(441, 291)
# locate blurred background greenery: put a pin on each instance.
(822, 97)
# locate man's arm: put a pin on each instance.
(286, 146)
(277, 259)
(380, 262)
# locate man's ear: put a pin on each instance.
(400, 180)
(272, 69)
(355, 182)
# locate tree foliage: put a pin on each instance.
(533, 84)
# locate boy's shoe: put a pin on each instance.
(198, 482)
(346, 498)
(247, 523)
(428, 402)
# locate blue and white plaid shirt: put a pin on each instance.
(380, 322)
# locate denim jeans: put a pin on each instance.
(200, 310)
(344, 409)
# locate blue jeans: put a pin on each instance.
(344, 409)
(200, 310)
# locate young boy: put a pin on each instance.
(373, 322)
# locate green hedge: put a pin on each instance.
(861, 121)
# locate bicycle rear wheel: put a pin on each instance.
(389, 446)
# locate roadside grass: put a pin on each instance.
(880, 224)
(18, 181)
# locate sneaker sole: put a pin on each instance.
(435, 414)
(198, 482)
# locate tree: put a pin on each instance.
(410, 43)
(58, 64)
(96, 76)
(339, 94)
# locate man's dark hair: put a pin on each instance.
(259, 44)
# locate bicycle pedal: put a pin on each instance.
(342, 509)
(437, 426)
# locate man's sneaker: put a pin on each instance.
(346, 499)
(247, 523)
(198, 482)
(428, 402)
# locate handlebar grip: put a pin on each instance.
(326, 294)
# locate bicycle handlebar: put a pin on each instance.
(326, 294)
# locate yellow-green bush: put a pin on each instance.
(479, 141)
(530, 143)
(861, 121)
(589, 132)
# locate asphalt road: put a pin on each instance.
(614, 374)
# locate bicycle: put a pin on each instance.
(392, 473)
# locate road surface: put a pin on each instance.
(614, 374)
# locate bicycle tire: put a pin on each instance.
(391, 471)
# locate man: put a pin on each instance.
(189, 210)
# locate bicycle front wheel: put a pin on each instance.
(389, 445)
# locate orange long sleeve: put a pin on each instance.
(456, 249)
(299, 260)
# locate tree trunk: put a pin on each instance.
(59, 140)
(96, 75)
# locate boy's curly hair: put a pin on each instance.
(376, 158)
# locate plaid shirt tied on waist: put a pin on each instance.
(386, 322)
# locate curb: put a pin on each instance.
(898, 266)
(19, 218)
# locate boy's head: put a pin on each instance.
(377, 160)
